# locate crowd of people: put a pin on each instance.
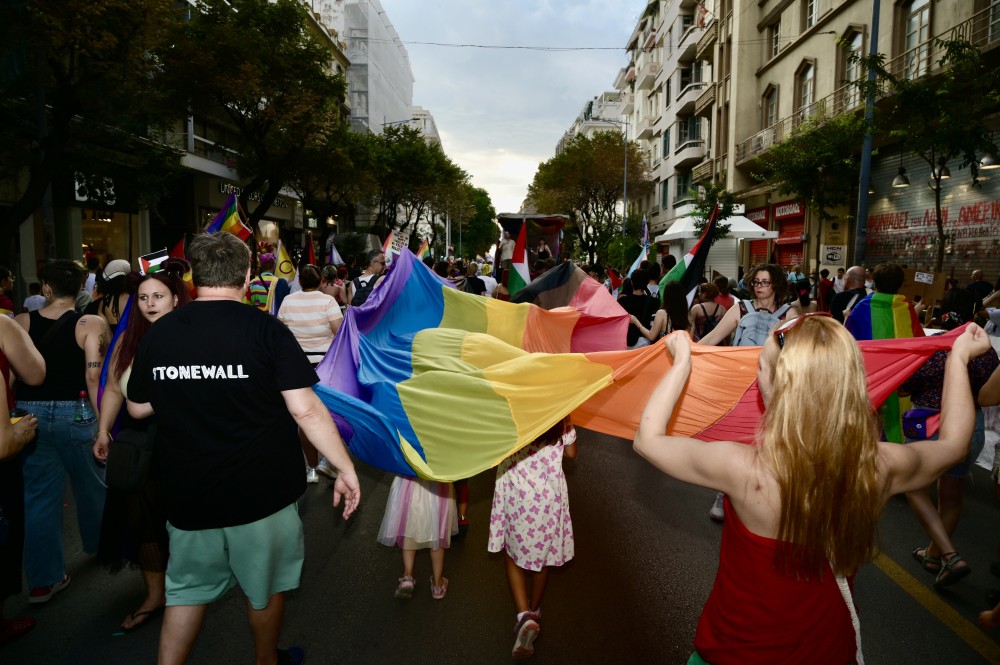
(226, 437)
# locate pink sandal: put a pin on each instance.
(438, 592)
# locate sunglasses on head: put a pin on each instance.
(780, 331)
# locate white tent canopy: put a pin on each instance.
(739, 227)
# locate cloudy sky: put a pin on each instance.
(501, 112)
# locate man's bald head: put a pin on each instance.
(854, 278)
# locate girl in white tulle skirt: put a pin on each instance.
(420, 514)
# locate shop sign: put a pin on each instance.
(227, 189)
(758, 216)
(834, 255)
(787, 209)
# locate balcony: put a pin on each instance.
(924, 57)
(686, 98)
(687, 44)
(644, 129)
(705, 102)
(703, 172)
(689, 153)
(624, 77)
(627, 103)
(647, 75)
(704, 50)
(918, 61)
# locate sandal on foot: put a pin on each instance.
(405, 588)
(438, 591)
(932, 564)
(11, 629)
(950, 574)
(143, 618)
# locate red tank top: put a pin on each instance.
(756, 614)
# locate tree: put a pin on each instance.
(80, 99)
(818, 163)
(941, 116)
(585, 181)
(480, 229)
(713, 195)
(252, 65)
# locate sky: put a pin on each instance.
(500, 112)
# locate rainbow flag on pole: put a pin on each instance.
(229, 220)
(423, 249)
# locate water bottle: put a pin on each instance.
(84, 414)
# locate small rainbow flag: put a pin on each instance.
(229, 220)
(423, 249)
(387, 245)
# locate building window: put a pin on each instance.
(688, 129)
(917, 47)
(774, 38)
(682, 189)
(809, 11)
(666, 143)
(852, 69)
(667, 95)
(994, 20)
(805, 82)
(685, 79)
(696, 71)
(770, 107)
(664, 194)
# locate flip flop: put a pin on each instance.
(145, 615)
(932, 564)
(949, 573)
(11, 629)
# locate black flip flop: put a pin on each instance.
(135, 615)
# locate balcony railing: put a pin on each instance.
(627, 104)
(647, 75)
(644, 129)
(703, 105)
(917, 61)
(703, 50)
(685, 102)
(703, 172)
(689, 153)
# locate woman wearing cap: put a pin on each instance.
(111, 292)
(805, 498)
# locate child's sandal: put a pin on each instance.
(932, 564)
(405, 588)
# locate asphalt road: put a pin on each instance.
(646, 556)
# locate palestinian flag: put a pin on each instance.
(519, 277)
(689, 270)
(152, 262)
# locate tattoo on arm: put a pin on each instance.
(89, 364)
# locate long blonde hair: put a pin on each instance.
(819, 438)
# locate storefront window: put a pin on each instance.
(111, 235)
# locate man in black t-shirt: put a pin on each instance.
(229, 384)
(854, 291)
(640, 305)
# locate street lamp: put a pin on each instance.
(624, 126)
(395, 122)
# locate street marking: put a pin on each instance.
(967, 631)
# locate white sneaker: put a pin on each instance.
(717, 513)
(312, 476)
(326, 469)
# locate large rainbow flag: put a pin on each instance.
(426, 380)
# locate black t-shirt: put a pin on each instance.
(641, 307)
(214, 372)
(843, 299)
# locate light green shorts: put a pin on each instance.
(264, 557)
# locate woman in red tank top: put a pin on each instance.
(804, 499)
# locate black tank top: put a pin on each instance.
(65, 373)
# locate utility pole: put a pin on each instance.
(861, 223)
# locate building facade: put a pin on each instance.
(712, 86)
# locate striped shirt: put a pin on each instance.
(311, 316)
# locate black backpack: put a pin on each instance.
(362, 291)
(709, 322)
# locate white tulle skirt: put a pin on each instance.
(419, 514)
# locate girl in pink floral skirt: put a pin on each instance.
(530, 523)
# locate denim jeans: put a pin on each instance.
(61, 448)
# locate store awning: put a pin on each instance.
(739, 227)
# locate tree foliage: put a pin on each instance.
(586, 182)
(818, 163)
(710, 196)
(940, 117)
(253, 65)
(80, 96)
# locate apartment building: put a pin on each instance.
(658, 90)
(600, 114)
(711, 86)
